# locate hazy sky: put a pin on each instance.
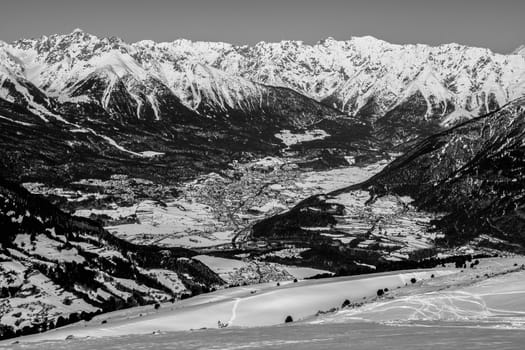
(497, 24)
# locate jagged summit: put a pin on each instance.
(519, 51)
(394, 86)
(363, 41)
(362, 74)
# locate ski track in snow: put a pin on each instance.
(234, 311)
(460, 305)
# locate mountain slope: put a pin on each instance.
(79, 140)
(460, 186)
(66, 65)
(193, 103)
(57, 268)
(364, 73)
(361, 76)
(474, 171)
(106, 101)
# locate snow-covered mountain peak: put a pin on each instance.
(77, 30)
(519, 51)
(368, 41)
(354, 75)
(76, 45)
(9, 64)
(325, 40)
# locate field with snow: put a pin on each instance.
(236, 272)
(480, 307)
(176, 223)
(486, 296)
(289, 138)
(256, 305)
(210, 211)
(389, 224)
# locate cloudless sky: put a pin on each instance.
(496, 24)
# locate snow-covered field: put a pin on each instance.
(176, 223)
(252, 271)
(289, 138)
(389, 224)
(497, 302)
(334, 179)
(251, 306)
(481, 307)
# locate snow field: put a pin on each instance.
(246, 307)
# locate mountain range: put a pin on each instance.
(360, 75)
(184, 100)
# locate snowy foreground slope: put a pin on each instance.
(257, 305)
(489, 296)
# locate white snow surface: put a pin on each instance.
(449, 309)
(177, 223)
(232, 270)
(493, 302)
(257, 305)
(289, 138)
